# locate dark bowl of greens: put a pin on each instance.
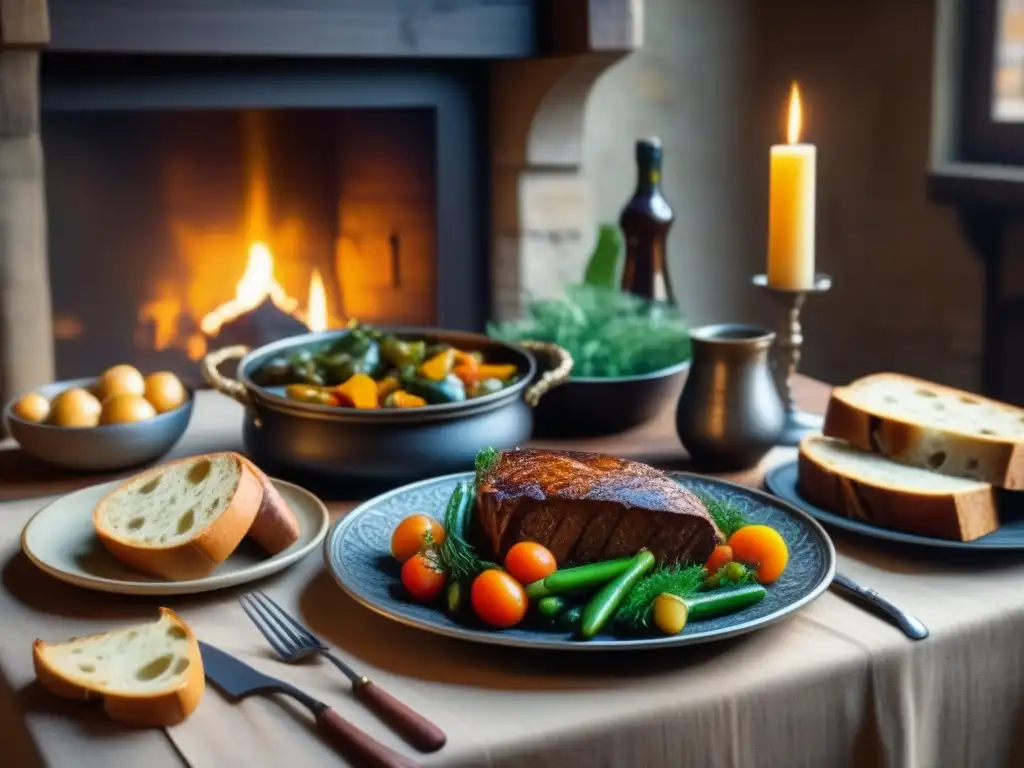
(630, 357)
(305, 412)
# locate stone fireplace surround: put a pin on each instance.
(543, 58)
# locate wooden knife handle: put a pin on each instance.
(409, 724)
(357, 745)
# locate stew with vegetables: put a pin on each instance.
(368, 368)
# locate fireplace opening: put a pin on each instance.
(177, 225)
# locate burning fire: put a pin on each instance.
(257, 285)
(188, 316)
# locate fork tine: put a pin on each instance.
(298, 626)
(268, 634)
(285, 634)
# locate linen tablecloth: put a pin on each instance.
(833, 686)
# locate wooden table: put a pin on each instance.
(832, 686)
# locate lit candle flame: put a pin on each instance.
(316, 309)
(795, 120)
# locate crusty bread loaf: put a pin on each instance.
(275, 527)
(180, 521)
(867, 486)
(147, 676)
(927, 425)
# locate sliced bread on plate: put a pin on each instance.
(275, 528)
(181, 520)
(147, 676)
(866, 486)
(930, 426)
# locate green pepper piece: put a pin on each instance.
(401, 353)
(273, 373)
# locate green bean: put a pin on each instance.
(603, 605)
(580, 577)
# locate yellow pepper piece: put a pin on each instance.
(359, 391)
(439, 366)
(402, 399)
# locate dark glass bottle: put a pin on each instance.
(645, 221)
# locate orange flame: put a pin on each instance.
(316, 307)
(795, 120)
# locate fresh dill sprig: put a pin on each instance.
(486, 458)
(679, 580)
(727, 517)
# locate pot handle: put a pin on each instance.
(552, 378)
(223, 384)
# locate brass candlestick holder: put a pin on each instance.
(788, 342)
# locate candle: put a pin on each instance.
(791, 206)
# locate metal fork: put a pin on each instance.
(292, 642)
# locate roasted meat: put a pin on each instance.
(586, 507)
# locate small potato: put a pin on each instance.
(126, 409)
(75, 408)
(165, 391)
(32, 407)
(120, 380)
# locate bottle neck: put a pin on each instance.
(648, 177)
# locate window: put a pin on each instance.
(992, 96)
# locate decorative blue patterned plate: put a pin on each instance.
(781, 481)
(357, 555)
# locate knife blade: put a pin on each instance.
(237, 680)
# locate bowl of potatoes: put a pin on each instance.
(118, 420)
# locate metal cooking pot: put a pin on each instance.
(387, 445)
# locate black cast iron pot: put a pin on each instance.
(386, 445)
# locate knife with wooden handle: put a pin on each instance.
(238, 680)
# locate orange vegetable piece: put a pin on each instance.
(413, 534)
(763, 548)
(529, 561)
(360, 390)
(483, 371)
(498, 599)
(422, 578)
(439, 366)
(386, 386)
(402, 399)
(720, 555)
(468, 359)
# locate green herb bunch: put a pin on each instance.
(727, 517)
(609, 333)
(681, 581)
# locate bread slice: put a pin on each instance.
(931, 426)
(180, 521)
(275, 528)
(866, 486)
(149, 675)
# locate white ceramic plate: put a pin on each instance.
(61, 541)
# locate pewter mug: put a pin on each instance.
(730, 413)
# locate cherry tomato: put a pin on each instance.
(411, 536)
(498, 599)
(422, 578)
(720, 555)
(761, 547)
(529, 561)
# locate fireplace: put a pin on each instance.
(219, 203)
(218, 171)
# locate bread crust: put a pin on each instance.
(143, 710)
(199, 556)
(995, 460)
(961, 515)
(275, 527)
